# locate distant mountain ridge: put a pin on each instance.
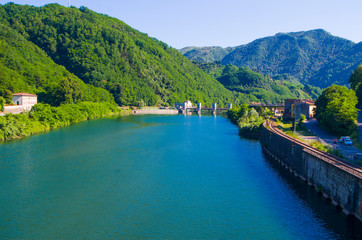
(315, 57)
(206, 54)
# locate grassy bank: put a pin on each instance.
(44, 117)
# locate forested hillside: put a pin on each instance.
(313, 57)
(340, 69)
(24, 67)
(258, 87)
(106, 53)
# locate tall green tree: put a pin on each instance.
(336, 110)
(355, 80)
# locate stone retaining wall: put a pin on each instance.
(343, 188)
(12, 109)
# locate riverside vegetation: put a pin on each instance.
(249, 120)
(44, 117)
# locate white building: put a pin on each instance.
(26, 100)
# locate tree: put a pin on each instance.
(356, 77)
(355, 80)
(253, 114)
(2, 104)
(8, 96)
(336, 110)
(238, 112)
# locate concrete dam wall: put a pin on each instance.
(331, 176)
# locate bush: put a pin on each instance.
(326, 148)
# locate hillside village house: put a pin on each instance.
(25, 100)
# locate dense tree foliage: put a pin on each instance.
(356, 78)
(24, 67)
(249, 120)
(105, 52)
(314, 57)
(356, 84)
(2, 104)
(44, 117)
(237, 112)
(336, 110)
(258, 87)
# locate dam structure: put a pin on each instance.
(187, 107)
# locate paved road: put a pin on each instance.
(347, 151)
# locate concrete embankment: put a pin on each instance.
(159, 111)
(335, 179)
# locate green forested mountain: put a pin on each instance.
(258, 87)
(340, 69)
(206, 54)
(24, 67)
(106, 53)
(313, 57)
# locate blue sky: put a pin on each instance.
(182, 23)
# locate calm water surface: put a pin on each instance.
(156, 177)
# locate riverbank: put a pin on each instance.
(43, 118)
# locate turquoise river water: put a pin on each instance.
(156, 177)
